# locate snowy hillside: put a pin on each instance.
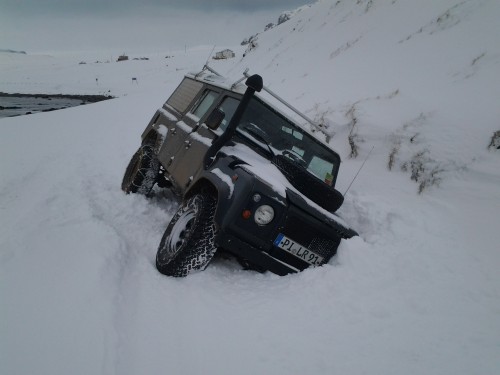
(413, 86)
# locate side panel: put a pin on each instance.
(189, 158)
(192, 139)
(178, 125)
(177, 132)
(165, 119)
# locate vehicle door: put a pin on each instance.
(189, 159)
(181, 126)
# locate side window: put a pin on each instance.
(207, 99)
(228, 106)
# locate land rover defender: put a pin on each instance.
(252, 182)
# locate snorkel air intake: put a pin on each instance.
(254, 83)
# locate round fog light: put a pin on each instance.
(264, 215)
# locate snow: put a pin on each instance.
(259, 166)
(167, 114)
(184, 127)
(418, 292)
(201, 139)
(162, 130)
(226, 179)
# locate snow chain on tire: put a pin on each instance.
(142, 172)
(188, 242)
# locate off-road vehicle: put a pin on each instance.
(252, 182)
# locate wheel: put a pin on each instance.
(142, 171)
(188, 242)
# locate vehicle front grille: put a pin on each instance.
(324, 246)
(308, 235)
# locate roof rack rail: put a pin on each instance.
(314, 124)
(206, 67)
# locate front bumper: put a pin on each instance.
(246, 239)
(306, 225)
(254, 255)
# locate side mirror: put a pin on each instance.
(215, 118)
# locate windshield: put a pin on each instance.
(266, 127)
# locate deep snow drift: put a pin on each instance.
(417, 293)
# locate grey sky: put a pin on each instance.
(124, 6)
(49, 25)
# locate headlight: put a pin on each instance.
(264, 215)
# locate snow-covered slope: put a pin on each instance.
(418, 77)
(414, 83)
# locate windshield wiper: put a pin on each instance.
(259, 138)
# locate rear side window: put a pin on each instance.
(184, 94)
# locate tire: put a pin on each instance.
(188, 243)
(142, 171)
(324, 195)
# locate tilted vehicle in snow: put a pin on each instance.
(252, 182)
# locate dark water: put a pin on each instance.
(12, 105)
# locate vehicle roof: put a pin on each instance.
(217, 80)
(212, 78)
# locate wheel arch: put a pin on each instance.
(209, 183)
(152, 137)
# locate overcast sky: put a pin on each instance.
(125, 25)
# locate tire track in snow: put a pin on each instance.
(137, 224)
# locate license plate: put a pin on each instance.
(301, 252)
